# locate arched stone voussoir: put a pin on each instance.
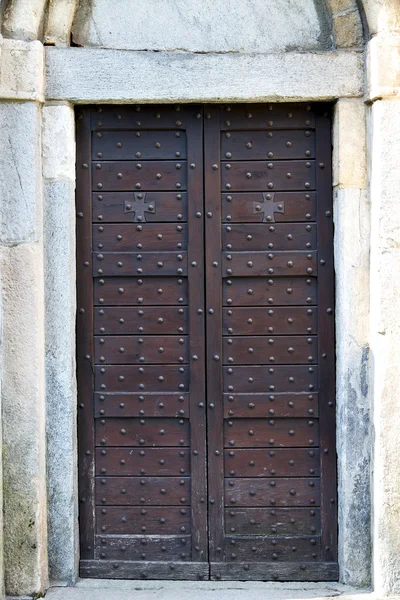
(58, 25)
(24, 20)
(346, 23)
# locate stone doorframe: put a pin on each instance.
(37, 258)
(76, 77)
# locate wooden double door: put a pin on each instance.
(205, 335)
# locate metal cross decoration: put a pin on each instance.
(268, 207)
(139, 206)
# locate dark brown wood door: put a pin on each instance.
(206, 292)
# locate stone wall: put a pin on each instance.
(314, 51)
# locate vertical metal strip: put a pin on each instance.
(85, 349)
(326, 337)
(194, 130)
(215, 414)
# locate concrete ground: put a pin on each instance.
(97, 589)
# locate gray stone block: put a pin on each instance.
(60, 293)
(24, 476)
(21, 177)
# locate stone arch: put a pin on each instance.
(51, 20)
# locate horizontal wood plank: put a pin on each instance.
(253, 264)
(270, 405)
(267, 433)
(142, 145)
(144, 570)
(275, 492)
(141, 405)
(247, 291)
(257, 237)
(150, 462)
(156, 491)
(271, 548)
(142, 432)
(256, 378)
(248, 207)
(134, 175)
(157, 378)
(257, 320)
(273, 521)
(152, 520)
(133, 349)
(251, 350)
(143, 547)
(140, 291)
(139, 263)
(279, 462)
(160, 320)
(113, 207)
(274, 571)
(265, 175)
(278, 145)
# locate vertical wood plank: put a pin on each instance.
(85, 348)
(196, 332)
(326, 336)
(215, 416)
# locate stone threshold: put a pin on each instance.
(107, 589)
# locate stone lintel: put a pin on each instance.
(82, 75)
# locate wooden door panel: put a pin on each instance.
(141, 342)
(270, 343)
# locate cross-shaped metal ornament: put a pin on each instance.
(139, 206)
(268, 207)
